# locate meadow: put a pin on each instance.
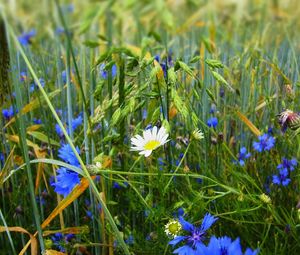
(149, 127)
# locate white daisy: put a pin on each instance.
(198, 134)
(151, 140)
(172, 228)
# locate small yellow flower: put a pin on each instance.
(152, 139)
(172, 228)
(265, 198)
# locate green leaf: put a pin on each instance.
(43, 138)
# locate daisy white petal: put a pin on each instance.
(152, 139)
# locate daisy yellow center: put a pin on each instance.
(151, 145)
(174, 228)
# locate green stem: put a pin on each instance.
(69, 140)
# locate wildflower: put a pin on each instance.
(34, 85)
(66, 154)
(265, 143)
(172, 228)
(212, 122)
(66, 181)
(59, 131)
(178, 213)
(2, 159)
(129, 240)
(197, 134)
(25, 38)
(265, 198)
(152, 139)
(8, 113)
(289, 119)
(77, 122)
(282, 178)
(117, 185)
(104, 73)
(242, 156)
(288, 164)
(195, 237)
(224, 245)
(89, 214)
(23, 76)
(57, 239)
(37, 121)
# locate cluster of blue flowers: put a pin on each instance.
(224, 246)
(59, 240)
(75, 124)
(195, 237)
(283, 177)
(66, 179)
(243, 155)
(8, 113)
(26, 37)
(212, 122)
(265, 143)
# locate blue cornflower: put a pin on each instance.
(196, 236)
(104, 73)
(242, 156)
(59, 131)
(282, 178)
(117, 185)
(66, 181)
(37, 121)
(77, 122)
(57, 239)
(129, 240)
(25, 38)
(178, 213)
(1, 159)
(224, 246)
(8, 113)
(35, 86)
(69, 237)
(89, 214)
(23, 76)
(66, 154)
(212, 122)
(288, 164)
(265, 143)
